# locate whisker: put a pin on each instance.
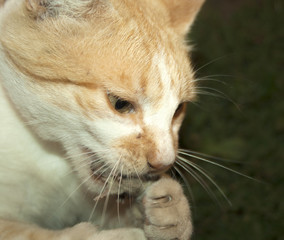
(206, 93)
(118, 194)
(207, 79)
(71, 150)
(212, 78)
(189, 189)
(97, 160)
(91, 163)
(218, 165)
(82, 183)
(207, 176)
(88, 153)
(137, 174)
(173, 174)
(75, 190)
(211, 94)
(209, 156)
(129, 187)
(214, 90)
(212, 61)
(99, 197)
(114, 169)
(218, 93)
(200, 180)
(219, 75)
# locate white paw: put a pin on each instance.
(167, 211)
(87, 231)
(80, 231)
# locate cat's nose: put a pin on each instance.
(160, 160)
(157, 166)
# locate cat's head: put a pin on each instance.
(109, 79)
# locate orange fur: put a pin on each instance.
(60, 61)
(107, 55)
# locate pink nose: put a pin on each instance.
(157, 165)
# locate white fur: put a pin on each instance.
(31, 175)
(161, 119)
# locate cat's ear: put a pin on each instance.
(72, 8)
(183, 13)
(41, 8)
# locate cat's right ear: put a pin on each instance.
(182, 13)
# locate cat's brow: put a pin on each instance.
(35, 76)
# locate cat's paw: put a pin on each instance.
(167, 211)
(87, 231)
(80, 231)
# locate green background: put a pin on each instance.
(239, 43)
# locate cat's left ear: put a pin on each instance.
(72, 8)
(40, 8)
(183, 13)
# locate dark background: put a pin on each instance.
(239, 43)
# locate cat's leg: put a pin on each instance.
(167, 211)
(83, 231)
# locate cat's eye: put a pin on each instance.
(179, 110)
(120, 105)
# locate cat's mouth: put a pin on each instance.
(107, 176)
(100, 173)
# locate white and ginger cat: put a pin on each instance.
(92, 97)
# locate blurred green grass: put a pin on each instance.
(243, 43)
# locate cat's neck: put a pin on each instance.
(39, 166)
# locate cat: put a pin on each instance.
(92, 97)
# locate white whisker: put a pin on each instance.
(114, 169)
(94, 162)
(137, 174)
(217, 164)
(200, 180)
(82, 183)
(118, 194)
(207, 176)
(186, 183)
(208, 156)
(212, 61)
(99, 197)
(129, 186)
(213, 78)
(75, 190)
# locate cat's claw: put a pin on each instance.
(167, 211)
(161, 200)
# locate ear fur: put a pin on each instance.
(40, 8)
(72, 8)
(183, 13)
(2, 2)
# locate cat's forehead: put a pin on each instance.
(131, 51)
(130, 62)
(149, 76)
(136, 62)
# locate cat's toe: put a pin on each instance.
(167, 211)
